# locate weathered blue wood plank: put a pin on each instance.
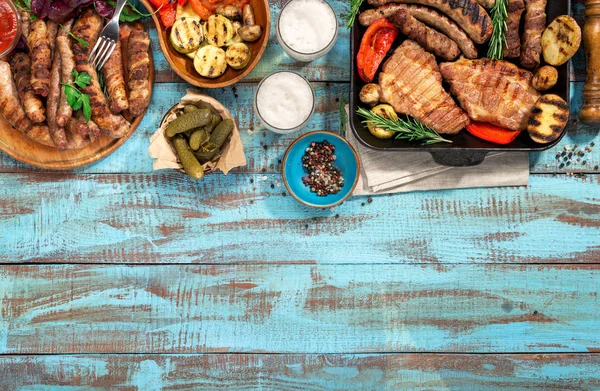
(241, 218)
(264, 149)
(355, 372)
(299, 308)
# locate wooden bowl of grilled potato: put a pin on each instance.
(184, 65)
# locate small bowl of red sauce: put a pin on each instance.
(10, 27)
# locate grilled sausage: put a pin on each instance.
(87, 28)
(21, 67)
(10, 107)
(40, 134)
(427, 16)
(115, 84)
(52, 28)
(77, 131)
(515, 9)
(38, 42)
(431, 40)
(58, 133)
(139, 71)
(25, 21)
(67, 65)
(467, 13)
(535, 23)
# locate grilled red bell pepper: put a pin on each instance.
(492, 133)
(167, 10)
(375, 44)
(182, 2)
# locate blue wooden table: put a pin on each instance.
(118, 277)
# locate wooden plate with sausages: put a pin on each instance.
(22, 148)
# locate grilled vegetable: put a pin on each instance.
(229, 11)
(545, 78)
(561, 40)
(186, 35)
(375, 44)
(238, 55)
(236, 37)
(218, 30)
(492, 133)
(188, 121)
(250, 32)
(548, 119)
(189, 162)
(210, 61)
(385, 111)
(370, 94)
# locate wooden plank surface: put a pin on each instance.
(263, 149)
(299, 308)
(354, 372)
(167, 218)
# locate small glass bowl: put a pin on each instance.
(301, 56)
(274, 128)
(18, 34)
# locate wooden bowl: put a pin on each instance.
(20, 147)
(184, 66)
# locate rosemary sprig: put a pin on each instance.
(343, 117)
(351, 17)
(409, 129)
(498, 40)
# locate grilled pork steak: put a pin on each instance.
(496, 92)
(411, 82)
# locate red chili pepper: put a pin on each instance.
(375, 44)
(492, 133)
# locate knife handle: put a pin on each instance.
(590, 111)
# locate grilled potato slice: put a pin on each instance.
(561, 40)
(210, 61)
(238, 55)
(548, 119)
(388, 112)
(218, 30)
(186, 35)
(545, 78)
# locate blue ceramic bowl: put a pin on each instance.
(292, 170)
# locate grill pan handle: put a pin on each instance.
(459, 158)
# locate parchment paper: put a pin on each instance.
(160, 148)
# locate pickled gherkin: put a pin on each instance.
(198, 138)
(188, 121)
(207, 152)
(189, 108)
(190, 164)
(221, 132)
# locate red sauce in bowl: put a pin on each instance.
(9, 26)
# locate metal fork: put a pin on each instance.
(107, 41)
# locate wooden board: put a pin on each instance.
(20, 147)
(310, 372)
(184, 66)
(299, 308)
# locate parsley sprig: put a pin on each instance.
(25, 6)
(70, 34)
(77, 99)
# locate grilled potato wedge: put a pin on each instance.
(561, 40)
(238, 55)
(210, 61)
(186, 35)
(548, 119)
(545, 78)
(388, 112)
(218, 30)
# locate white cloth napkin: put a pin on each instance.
(399, 172)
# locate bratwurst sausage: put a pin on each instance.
(431, 40)
(467, 13)
(427, 16)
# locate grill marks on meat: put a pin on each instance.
(467, 13)
(114, 81)
(38, 42)
(21, 68)
(497, 92)
(427, 37)
(139, 70)
(412, 84)
(515, 10)
(535, 22)
(57, 132)
(428, 16)
(88, 27)
(10, 107)
(67, 65)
